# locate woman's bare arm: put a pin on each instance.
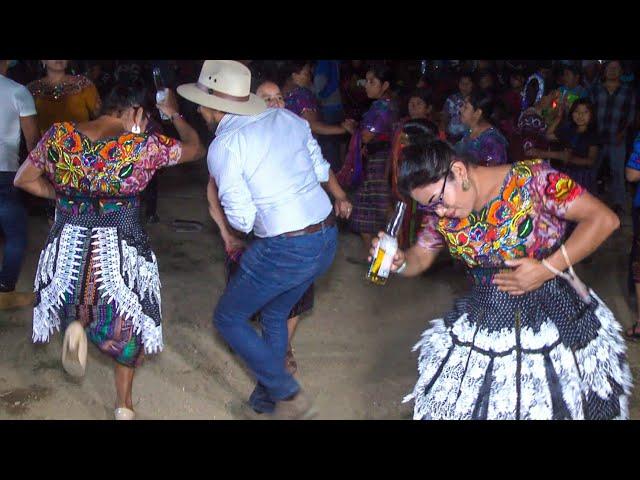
(29, 178)
(596, 222)
(321, 128)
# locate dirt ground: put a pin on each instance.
(353, 350)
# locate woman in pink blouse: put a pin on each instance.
(97, 272)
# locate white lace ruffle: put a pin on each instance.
(504, 340)
(137, 271)
(455, 390)
(54, 279)
(115, 289)
(59, 277)
(46, 265)
(595, 360)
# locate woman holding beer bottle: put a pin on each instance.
(529, 341)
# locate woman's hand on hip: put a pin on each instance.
(527, 275)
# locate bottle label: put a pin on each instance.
(385, 266)
(378, 256)
(161, 95)
(382, 261)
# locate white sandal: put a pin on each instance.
(74, 350)
(125, 414)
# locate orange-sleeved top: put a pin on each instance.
(74, 100)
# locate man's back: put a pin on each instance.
(15, 102)
(268, 168)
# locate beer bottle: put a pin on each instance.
(387, 247)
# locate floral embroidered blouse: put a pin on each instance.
(532, 128)
(114, 167)
(488, 149)
(75, 100)
(380, 119)
(526, 219)
(300, 100)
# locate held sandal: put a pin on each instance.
(74, 350)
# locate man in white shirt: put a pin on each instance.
(17, 114)
(268, 169)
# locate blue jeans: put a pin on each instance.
(13, 222)
(273, 275)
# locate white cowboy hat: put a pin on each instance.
(224, 85)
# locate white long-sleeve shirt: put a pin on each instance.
(268, 169)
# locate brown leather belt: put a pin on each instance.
(328, 222)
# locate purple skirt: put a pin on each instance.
(372, 199)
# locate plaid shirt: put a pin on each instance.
(614, 111)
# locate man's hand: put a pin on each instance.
(232, 242)
(528, 275)
(349, 125)
(342, 207)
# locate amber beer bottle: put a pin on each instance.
(387, 247)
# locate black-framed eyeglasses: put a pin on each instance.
(434, 205)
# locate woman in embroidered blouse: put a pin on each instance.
(60, 97)
(369, 153)
(412, 132)
(482, 141)
(453, 106)
(97, 271)
(579, 141)
(299, 99)
(416, 126)
(523, 344)
(537, 119)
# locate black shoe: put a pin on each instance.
(4, 288)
